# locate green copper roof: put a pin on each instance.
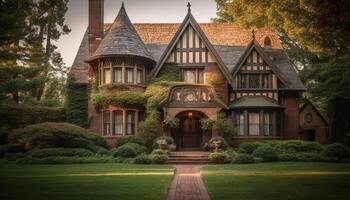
(253, 102)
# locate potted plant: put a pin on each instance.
(206, 123)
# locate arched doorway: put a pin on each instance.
(189, 134)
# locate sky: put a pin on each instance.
(139, 11)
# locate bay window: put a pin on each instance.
(139, 76)
(106, 75)
(256, 122)
(117, 75)
(121, 74)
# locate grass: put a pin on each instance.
(84, 181)
(276, 181)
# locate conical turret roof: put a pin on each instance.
(122, 40)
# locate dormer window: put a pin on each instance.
(255, 81)
(267, 42)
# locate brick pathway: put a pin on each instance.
(187, 184)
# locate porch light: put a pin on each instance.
(189, 114)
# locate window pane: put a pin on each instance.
(106, 76)
(254, 80)
(267, 124)
(130, 122)
(265, 81)
(118, 122)
(254, 120)
(139, 76)
(201, 76)
(118, 75)
(106, 117)
(190, 76)
(243, 81)
(240, 123)
(129, 75)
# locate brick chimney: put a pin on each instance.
(95, 24)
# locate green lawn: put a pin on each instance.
(84, 181)
(278, 181)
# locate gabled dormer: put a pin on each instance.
(256, 75)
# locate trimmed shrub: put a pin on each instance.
(159, 152)
(68, 160)
(14, 156)
(205, 146)
(139, 149)
(309, 157)
(336, 150)
(219, 157)
(159, 159)
(231, 153)
(243, 158)
(124, 151)
(224, 144)
(287, 156)
(129, 160)
(266, 152)
(295, 146)
(50, 134)
(10, 148)
(42, 153)
(102, 151)
(142, 159)
(128, 139)
(249, 147)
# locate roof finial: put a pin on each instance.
(253, 34)
(122, 4)
(188, 7)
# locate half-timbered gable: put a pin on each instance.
(256, 75)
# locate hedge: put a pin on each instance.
(68, 160)
(50, 134)
(42, 153)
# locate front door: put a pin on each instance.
(190, 131)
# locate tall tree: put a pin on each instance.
(316, 35)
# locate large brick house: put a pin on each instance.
(224, 68)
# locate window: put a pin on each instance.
(267, 124)
(190, 76)
(308, 118)
(254, 123)
(267, 41)
(141, 116)
(193, 76)
(240, 123)
(255, 81)
(117, 75)
(106, 117)
(200, 76)
(139, 76)
(118, 122)
(129, 75)
(130, 122)
(106, 76)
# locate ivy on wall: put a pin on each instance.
(77, 103)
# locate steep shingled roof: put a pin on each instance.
(122, 39)
(229, 40)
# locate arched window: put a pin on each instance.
(267, 42)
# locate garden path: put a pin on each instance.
(187, 184)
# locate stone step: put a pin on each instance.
(189, 162)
